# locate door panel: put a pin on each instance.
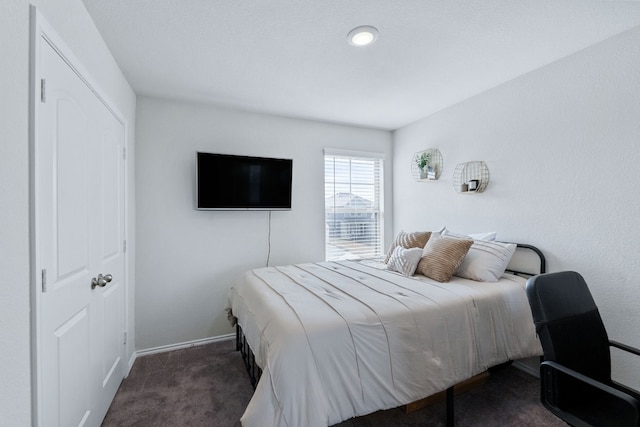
(112, 150)
(109, 301)
(75, 405)
(70, 182)
(112, 301)
(80, 204)
(64, 239)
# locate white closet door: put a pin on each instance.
(80, 233)
(109, 301)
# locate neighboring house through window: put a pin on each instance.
(353, 191)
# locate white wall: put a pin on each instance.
(72, 22)
(187, 259)
(15, 393)
(563, 147)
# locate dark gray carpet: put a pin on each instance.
(208, 386)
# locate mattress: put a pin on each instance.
(336, 340)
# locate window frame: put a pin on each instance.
(378, 189)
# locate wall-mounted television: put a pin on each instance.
(228, 182)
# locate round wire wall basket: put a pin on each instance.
(471, 177)
(432, 170)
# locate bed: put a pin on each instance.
(336, 340)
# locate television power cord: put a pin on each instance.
(269, 241)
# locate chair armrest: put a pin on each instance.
(631, 350)
(624, 347)
(589, 381)
(631, 405)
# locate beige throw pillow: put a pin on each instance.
(406, 240)
(441, 256)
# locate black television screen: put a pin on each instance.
(227, 182)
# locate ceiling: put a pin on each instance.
(291, 57)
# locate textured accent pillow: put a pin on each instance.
(417, 239)
(441, 256)
(404, 260)
(486, 261)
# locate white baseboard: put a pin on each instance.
(132, 360)
(182, 345)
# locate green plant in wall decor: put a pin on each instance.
(423, 162)
(427, 165)
(423, 159)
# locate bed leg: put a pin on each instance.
(237, 336)
(248, 357)
(450, 411)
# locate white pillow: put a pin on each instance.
(486, 261)
(404, 260)
(490, 236)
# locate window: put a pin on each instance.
(353, 191)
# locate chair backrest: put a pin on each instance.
(569, 325)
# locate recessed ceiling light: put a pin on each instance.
(362, 36)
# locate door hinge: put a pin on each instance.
(44, 280)
(125, 338)
(124, 246)
(43, 92)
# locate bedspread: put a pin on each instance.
(337, 340)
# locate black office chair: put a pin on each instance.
(575, 376)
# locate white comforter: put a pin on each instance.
(337, 340)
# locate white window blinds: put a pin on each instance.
(353, 191)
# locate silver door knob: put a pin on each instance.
(101, 281)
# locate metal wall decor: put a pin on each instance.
(471, 177)
(427, 165)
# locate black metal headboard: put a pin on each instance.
(538, 252)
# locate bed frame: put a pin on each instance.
(249, 359)
(255, 372)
